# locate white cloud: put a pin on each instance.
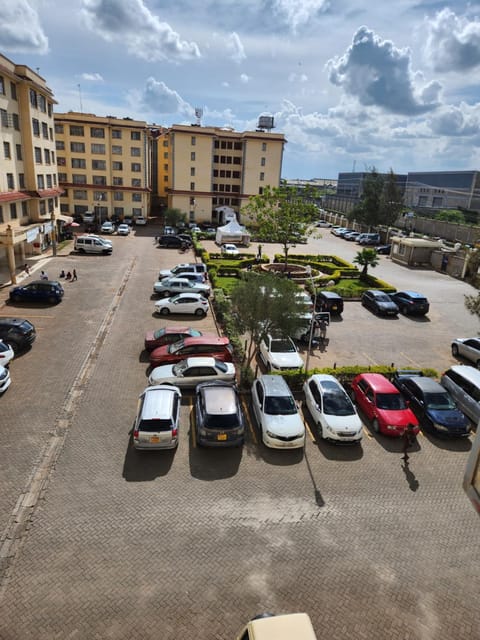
(297, 13)
(225, 84)
(298, 77)
(131, 23)
(379, 75)
(92, 77)
(157, 98)
(453, 42)
(453, 121)
(244, 78)
(234, 48)
(20, 28)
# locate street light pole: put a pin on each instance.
(54, 234)
(310, 336)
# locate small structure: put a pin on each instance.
(413, 252)
(232, 232)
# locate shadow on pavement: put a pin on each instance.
(144, 466)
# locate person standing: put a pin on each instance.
(27, 269)
(74, 275)
(408, 440)
(322, 326)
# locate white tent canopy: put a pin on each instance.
(232, 232)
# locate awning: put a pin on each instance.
(67, 219)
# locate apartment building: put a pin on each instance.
(201, 169)
(104, 165)
(29, 189)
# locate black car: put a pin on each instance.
(329, 301)
(17, 332)
(434, 407)
(384, 249)
(172, 241)
(379, 302)
(218, 414)
(50, 291)
(411, 303)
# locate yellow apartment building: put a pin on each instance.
(29, 189)
(104, 165)
(200, 169)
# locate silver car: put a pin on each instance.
(157, 421)
(169, 286)
(468, 348)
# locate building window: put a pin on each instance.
(165, 155)
(262, 176)
(99, 165)
(135, 135)
(235, 188)
(136, 197)
(49, 181)
(58, 128)
(79, 194)
(117, 166)
(192, 171)
(45, 130)
(49, 109)
(237, 146)
(260, 191)
(2, 85)
(78, 178)
(46, 153)
(165, 167)
(99, 196)
(135, 151)
(59, 145)
(6, 150)
(50, 131)
(40, 182)
(76, 130)
(165, 142)
(13, 90)
(35, 127)
(193, 141)
(97, 132)
(118, 195)
(116, 133)
(77, 163)
(16, 121)
(42, 103)
(62, 177)
(116, 150)
(13, 211)
(18, 148)
(136, 182)
(118, 211)
(264, 146)
(136, 211)
(38, 155)
(4, 118)
(192, 186)
(24, 209)
(237, 160)
(117, 181)
(10, 181)
(33, 98)
(77, 147)
(236, 175)
(262, 162)
(192, 156)
(136, 167)
(98, 148)
(21, 180)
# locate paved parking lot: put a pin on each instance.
(192, 543)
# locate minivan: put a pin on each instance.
(157, 421)
(463, 383)
(368, 238)
(92, 244)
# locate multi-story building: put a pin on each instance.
(443, 190)
(103, 165)
(200, 169)
(29, 189)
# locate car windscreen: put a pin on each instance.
(382, 297)
(159, 333)
(282, 346)
(176, 346)
(280, 405)
(439, 401)
(337, 404)
(152, 426)
(391, 401)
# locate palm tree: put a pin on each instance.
(366, 258)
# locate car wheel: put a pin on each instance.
(405, 310)
(200, 313)
(375, 426)
(164, 311)
(16, 298)
(455, 350)
(477, 364)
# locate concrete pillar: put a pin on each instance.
(10, 254)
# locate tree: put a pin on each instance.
(174, 216)
(282, 215)
(266, 303)
(381, 200)
(451, 215)
(365, 258)
(472, 303)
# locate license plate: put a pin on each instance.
(222, 436)
(154, 439)
(334, 308)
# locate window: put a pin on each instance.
(38, 155)
(50, 132)
(10, 181)
(16, 121)
(76, 130)
(79, 194)
(136, 197)
(192, 156)
(137, 211)
(192, 186)
(262, 176)
(236, 174)
(136, 182)
(6, 150)
(99, 196)
(46, 154)
(235, 188)
(117, 181)
(136, 166)
(260, 191)
(78, 178)
(237, 146)
(62, 177)
(237, 160)
(116, 133)
(264, 146)
(98, 148)
(33, 98)
(118, 195)
(49, 181)
(24, 209)
(165, 178)
(165, 167)
(118, 211)
(117, 166)
(135, 135)
(13, 211)
(77, 163)
(97, 132)
(45, 130)
(49, 109)
(165, 155)
(59, 145)
(192, 171)
(262, 162)
(77, 147)
(18, 148)
(21, 180)
(165, 142)
(55, 179)
(4, 118)
(135, 151)
(13, 90)
(40, 182)
(193, 141)
(42, 103)
(116, 150)
(35, 127)
(99, 165)
(58, 128)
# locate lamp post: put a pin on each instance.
(310, 335)
(54, 234)
(98, 214)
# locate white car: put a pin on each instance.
(107, 227)
(468, 348)
(140, 220)
(229, 250)
(331, 409)
(192, 371)
(279, 354)
(123, 229)
(5, 379)
(6, 353)
(276, 413)
(186, 303)
(170, 286)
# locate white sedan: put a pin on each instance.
(187, 303)
(468, 348)
(107, 227)
(6, 353)
(229, 250)
(331, 409)
(192, 371)
(123, 229)
(279, 354)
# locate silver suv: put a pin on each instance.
(157, 421)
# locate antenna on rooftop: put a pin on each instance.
(198, 116)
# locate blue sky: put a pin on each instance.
(351, 84)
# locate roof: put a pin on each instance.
(379, 382)
(427, 384)
(417, 242)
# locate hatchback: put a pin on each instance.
(49, 291)
(383, 404)
(211, 345)
(379, 302)
(157, 421)
(167, 335)
(123, 229)
(183, 303)
(411, 302)
(17, 332)
(218, 415)
(329, 301)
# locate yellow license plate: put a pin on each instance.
(222, 436)
(154, 439)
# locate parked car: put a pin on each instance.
(432, 404)
(383, 404)
(157, 422)
(140, 220)
(5, 379)
(169, 231)
(332, 410)
(171, 241)
(17, 332)
(229, 250)
(192, 371)
(323, 223)
(368, 238)
(329, 301)
(340, 231)
(107, 227)
(168, 335)
(411, 303)
(171, 286)
(276, 413)
(468, 348)
(6, 353)
(184, 267)
(184, 303)
(218, 414)
(194, 278)
(206, 345)
(279, 354)
(463, 383)
(128, 220)
(123, 229)
(379, 302)
(383, 249)
(49, 291)
(351, 236)
(88, 217)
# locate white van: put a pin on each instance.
(463, 383)
(92, 244)
(291, 626)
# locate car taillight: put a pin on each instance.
(174, 432)
(135, 433)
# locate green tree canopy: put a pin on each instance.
(365, 258)
(381, 201)
(451, 215)
(174, 216)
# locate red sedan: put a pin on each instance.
(167, 335)
(206, 345)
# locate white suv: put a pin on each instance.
(279, 354)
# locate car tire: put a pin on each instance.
(164, 311)
(200, 313)
(454, 350)
(375, 426)
(477, 364)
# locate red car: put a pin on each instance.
(382, 404)
(205, 345)
(167, 335)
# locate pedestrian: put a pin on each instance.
(322, 326)
(408, 440)
(259, 252)
(316, 333)
(43, 276)
(68, 276)
(27, 269)
(62, 274)
(74, 275)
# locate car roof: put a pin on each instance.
(206, 339)
(329, 294)
(220, 397)
(275, 385)
(427, 384)
(324, 377)
(378, 382)
(158, 401)
(472, 374)
(411, 294)
(200, 361)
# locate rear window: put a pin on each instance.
(155, 425)
(222, 421)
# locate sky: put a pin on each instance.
(353, 85)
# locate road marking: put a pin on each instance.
(312, 437)
(374, 362)
(419, 366)
(29, 316)
(367, 432)
(251, 428)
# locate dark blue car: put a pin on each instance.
(49, 291)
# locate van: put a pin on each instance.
(157, 421)
(283, 627)
(92, 244)
(368, 238)
(463, 383)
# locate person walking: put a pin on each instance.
(26, 268)
(74, 275)
(408, 440)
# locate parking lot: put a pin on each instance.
(191, 543)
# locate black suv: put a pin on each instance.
(17, 332)
(411, 302)
(171, 240)
(50, 291)
(329, 301)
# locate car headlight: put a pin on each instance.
(271, 435)
(440, 427)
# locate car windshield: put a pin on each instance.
(337, 404)
(159, 333)
(281, 346)
(280, 405)
(382, 297)
(176, 346)
(391, 401)
(439, 401)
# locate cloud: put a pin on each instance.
(379, 75)
(234, 48)
(20, 29)
(244, 78)
(452, 43)
(129, 22)
(453, 121)
(298, 77)
(297, 13)
(92, 77)
(159, 99)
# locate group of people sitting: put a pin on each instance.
(68, 275)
